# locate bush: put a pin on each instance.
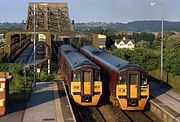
(144, 57)
(172, 55)
(17, 83)
(4, 67)
(45, 77)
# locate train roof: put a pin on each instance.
(113, 62)
(74, 58)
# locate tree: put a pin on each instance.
(156, 44)
(143, 36)
(172, 55)
(17, 82)
(143, 44)
(144, 57)
(109, 42)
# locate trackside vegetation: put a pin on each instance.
(20, 86)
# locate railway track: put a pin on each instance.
(137, 116)
(130, 116)
(90, 114)
(119, 115)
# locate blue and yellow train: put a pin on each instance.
(82, 76)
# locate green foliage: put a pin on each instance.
(156, 44)
(122, 53)
(113, 47)
(169, 78)
(20, 89)
(17, 83)
(136, 26)
(42, 76)
(172, 55)
(13, 68)
(17, 69)
(143, 44)
(109, 42)
(4, 67)
(45, 77)
(146, 58)
(143, 36)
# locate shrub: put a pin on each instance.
(17, 83)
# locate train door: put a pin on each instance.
(87, 82)
(133, 78)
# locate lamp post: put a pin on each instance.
(34, 46)
(162, 37)
(46, 4)
(43, 4)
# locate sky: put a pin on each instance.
(98, 10)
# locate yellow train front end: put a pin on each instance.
(132, 90)
(86, 87)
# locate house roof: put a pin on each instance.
(125, 41)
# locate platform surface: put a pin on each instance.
(47, 104)
(166, 98)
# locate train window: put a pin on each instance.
(133, 79)
(76, 76)
(96, 75)
(143, 80)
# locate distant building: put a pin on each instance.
(1, 37)
(124, 43)
(99, 41)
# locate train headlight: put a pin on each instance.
(122, 90)
(143, 82)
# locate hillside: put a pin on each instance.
(136, 26)
(7, 25)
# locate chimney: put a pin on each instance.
(124, 38)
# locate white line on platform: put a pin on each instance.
(74, 119)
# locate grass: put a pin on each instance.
(170, 79)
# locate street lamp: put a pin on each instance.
(35, 45)
(162, 37)
(46, 4)
(34, 5)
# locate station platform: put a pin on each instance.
(165, 103)
(48, 103)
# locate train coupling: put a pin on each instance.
(86, 98)
(132, 102)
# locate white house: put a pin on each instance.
(124, 43)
